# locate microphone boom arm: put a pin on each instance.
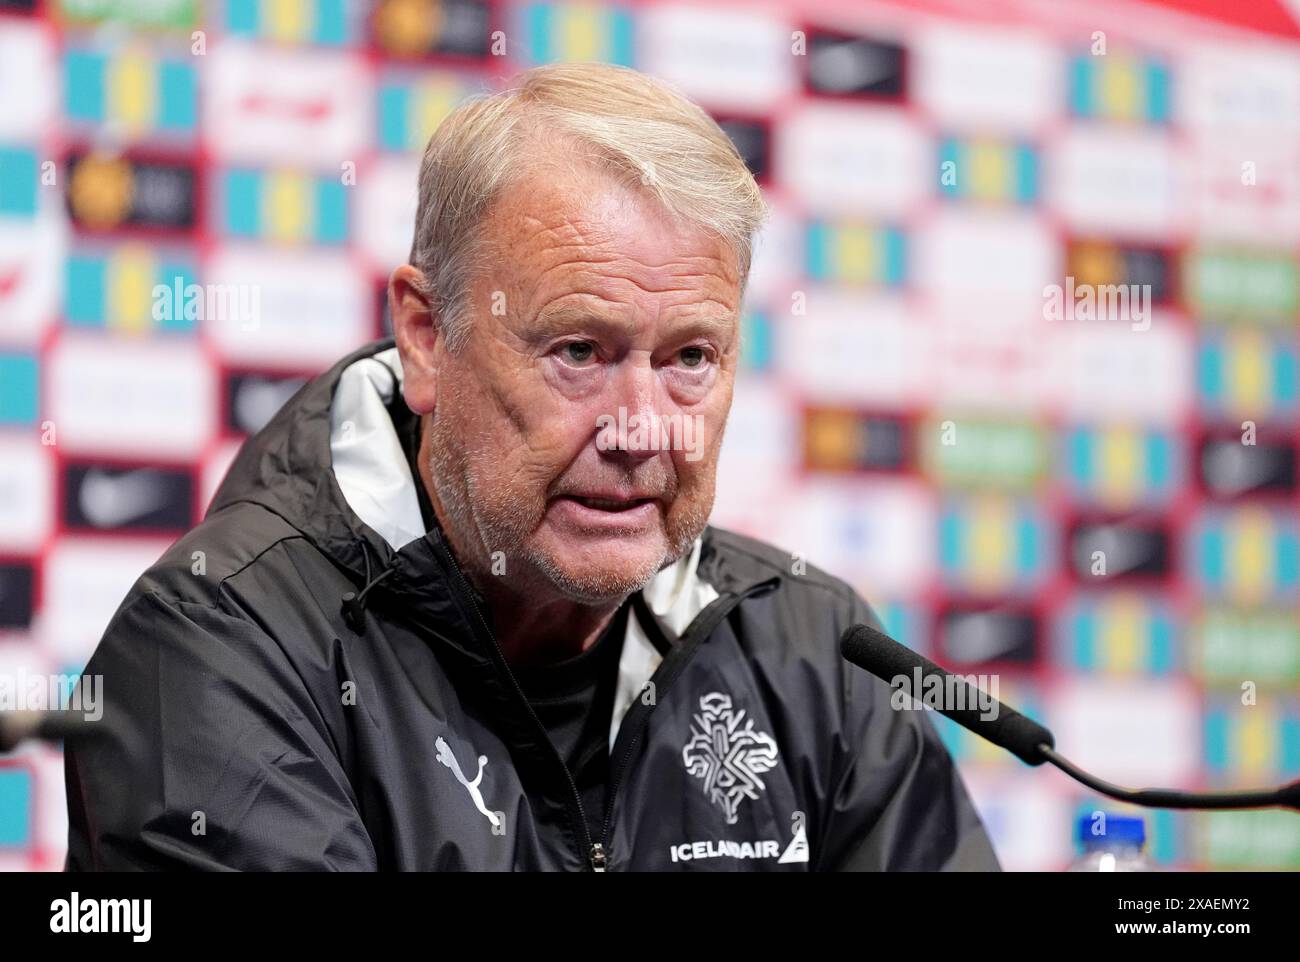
(1288, 796)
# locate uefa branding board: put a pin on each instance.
(943, 397)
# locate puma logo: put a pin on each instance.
(448, 758)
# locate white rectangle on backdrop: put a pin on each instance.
(1106, 370)
(850, 160)
(269, 105)
(1140, 732)
(140, 399)
(737, 60)
(974, 250)
(987, 79)
(850, 348)
(877, 533)
(85, 580)
(1228, 88)
(313, 307)
(26, 493)
(1112, 180)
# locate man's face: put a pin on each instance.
(577, 429)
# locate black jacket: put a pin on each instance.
(294, 687)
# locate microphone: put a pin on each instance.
(17, 727)
(885, 658)
(877, 653)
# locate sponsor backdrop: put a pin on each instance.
(1020, 354)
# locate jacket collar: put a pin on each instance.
(331, 464)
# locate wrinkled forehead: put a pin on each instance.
(559, 228)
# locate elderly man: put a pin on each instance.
(458, 605)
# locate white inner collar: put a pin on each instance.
(375, 478)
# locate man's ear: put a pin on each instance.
(419, 337)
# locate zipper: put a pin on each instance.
(593, 853)
(638, 715)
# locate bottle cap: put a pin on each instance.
(1106, 830)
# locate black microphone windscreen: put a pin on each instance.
(897, 665)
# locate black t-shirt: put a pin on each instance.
(574, 698)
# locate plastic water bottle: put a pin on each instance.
(1111, 843)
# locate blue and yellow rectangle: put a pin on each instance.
(1246, 373)
(995, 544)
(847, 253)
(1119, 634)
(284, 206)
(1117, 86)
(1248, 555)
(133, 89)
(572, 32)
(114, 290)
(410, 111)
(988, 170)
(324, 22)
(1245, 743)
(1122, 466)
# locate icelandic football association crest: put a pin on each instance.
(728, 753)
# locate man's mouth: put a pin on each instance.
(611, 504)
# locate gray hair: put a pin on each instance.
(627, 123)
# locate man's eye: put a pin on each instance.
(579, 352)
(693, 356)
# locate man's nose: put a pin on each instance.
(637, 400)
